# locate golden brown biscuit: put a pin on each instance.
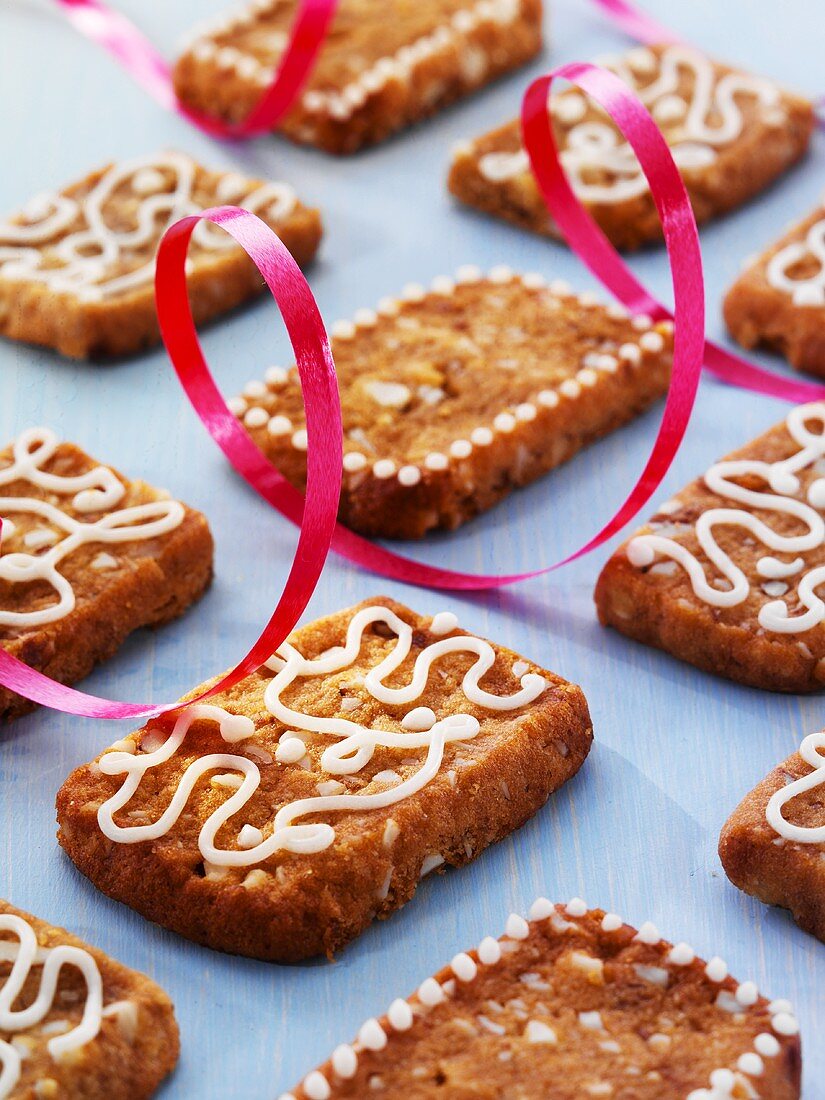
(379, 746)
(87, 557)
(726, 575)
(730, 133)
(385, 64)
(454, 397)
(779, 299)
(572, 1005)
(773, 844)
(105, 1033)
(77, 267)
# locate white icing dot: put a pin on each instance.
(256, 417)
(436, 461)
(388, 307)
(344, 1061)
(652, 341)
(441, 284)
(413, 292)
(570, 388)
(279, 425)
(641, 322)
(784, 1024)
(526, 411)
(751, 1064)
(430, 993)
(501, 274)
(236, 405)
(276, 377)
(372, 1036)
(576, 907)
(588, 298)
(343, 330)
(533, 281)
(570, 107)
(541, 909)
(587, 377)
(481, 437)
(548, 398)
(469, 273)
(409, 476)
(539, 1032)
(445, 622)
(461, 448)
(420, 719)
(517, 927)
(254, 389)
(489, 951)
(400, 1015)
(383, 468)
(300, 439)
(780, 1005)
(365, 318)
(611, 922)
(682, 954)
(316, 1086)
(717, 969)
(767, 1045)
(463, 967)
(504, 422)
(290, 750)
(630, 353)
(354, 461)
(747, 993)
(648, 933)
(560, 288)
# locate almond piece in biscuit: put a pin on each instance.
(778, 301)
(77, 267)
(726, 576)
(87, 557)
(385, 63)
(377, 746)
(105, 1033)
(455, 396)
(571, 1005)
(730, 134)
(773, 844)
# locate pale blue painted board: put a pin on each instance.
(675, 750)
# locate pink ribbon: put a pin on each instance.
(151, 70)
(315, 516)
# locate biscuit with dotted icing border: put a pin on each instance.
(75, 1023)
(773, 844)
(726, 575)
(77, 266)
(572, 1003)
(455, 396)
(778, 301)
(386, 64)
(730, 134)
(378, 746)
(87, 557)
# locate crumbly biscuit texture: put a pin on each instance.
(454, 396)
(77, 266)
(779, 299)
(278, 821)
(74, 1022)
(730, 134)
(726, 575)
(570, 1004)
(773, 844)
(86, 558)
(385, 63)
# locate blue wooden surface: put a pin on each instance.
(675, 750)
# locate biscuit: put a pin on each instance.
(86, 558)
(573, 1004)
(725, 575)
(314, 796)
(730, 134)
(779, 299)
(75, 1023)
(773, 844)
(385, 65)
(77, 267)
(454, 397)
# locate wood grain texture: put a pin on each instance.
(675, 750)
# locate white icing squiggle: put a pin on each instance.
(95, 250)
(352, 750)
(593, 146)
(804, 292)
(95, 491)
(811, 750)
(24, 958)
(781, 478)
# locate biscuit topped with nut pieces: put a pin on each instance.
(454, 396)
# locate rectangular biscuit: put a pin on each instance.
(779, 299)
(574, 1004)
(314, 796)
(77, 266)
(725, 575)
(87, 557)
(454, 397)
(385, 64)
(730, 133)
(773, 844)
(105, 1033)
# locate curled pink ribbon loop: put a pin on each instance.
(315, 516)
(149, 68)
(683, 250)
